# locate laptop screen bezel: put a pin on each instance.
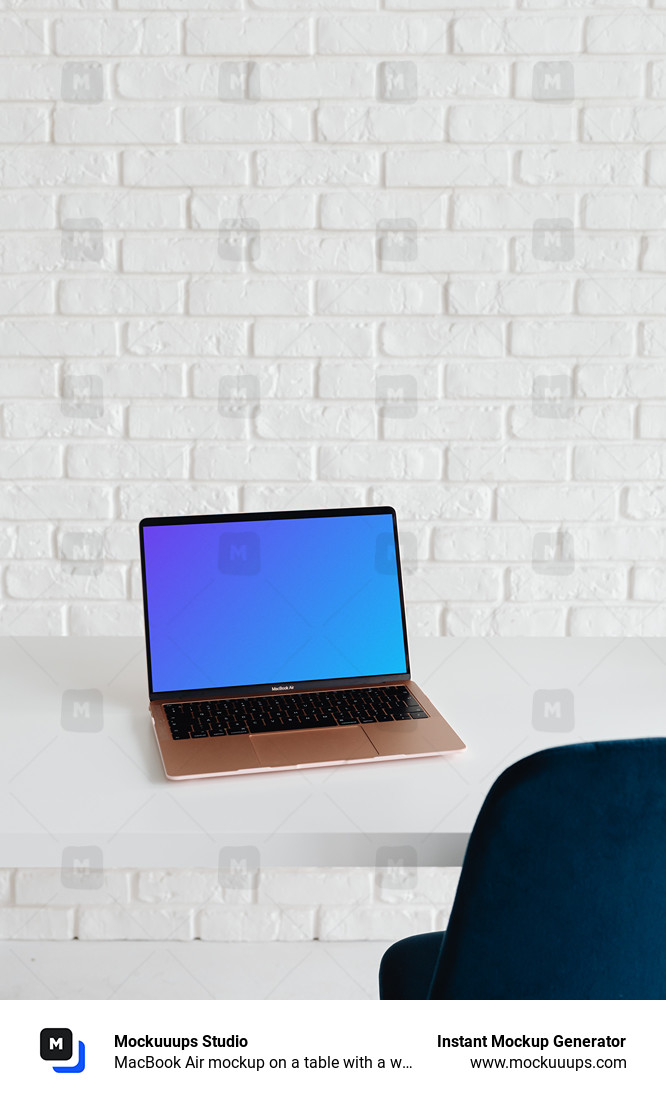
(258, 689)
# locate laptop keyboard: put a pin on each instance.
(273, 713)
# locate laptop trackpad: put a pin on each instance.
(312, 747)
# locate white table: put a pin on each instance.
(107, 788)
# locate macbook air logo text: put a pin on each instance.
(283, 687)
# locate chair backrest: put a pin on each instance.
(563, 888)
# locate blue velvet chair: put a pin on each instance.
(563, 887)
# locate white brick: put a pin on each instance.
(27, 337)
(184, 421)
(645, 502)
(121, 295)
(120, 125)
(506, 463)
(320, 79)
(257, 923)
(313, 337)
(6, 877)
(248, 297)
(652, 422)
(344, 379)
(61, 501)
(288, 379)
(53, 583)
(625, 33)
(116, 35)
(429, 885)
(656, 167)
(442, 337)
(29, 619)
(618, 622)
(21, 210)
(518, 34)
(380, 124)
(36, 923)
(49, 167)
(417, 502)
(25, 252)
(137, 210)
(620, 543)
(292, 210)
(449, 582)
(173, 499)
(35, 540)
(117, 461)
(597, 421)
(439, 421)
(315, 253)
(579, 166)
(169, 78)
(584, 338)
(187, 338)
(304, 420)
(618, 210)
(592, 79)
(47, 888)
(584, 583)
(352, 209)
(382, 34)
(509, 620)
(591, 253)
(247, 35)
(512, 122)
(29, 419)
(622, 124)
(380, 462)
(649, 583)
(375, 922)
(184, 167)
(552, 504)
(313, 167)
(267, 498)
(252, 462)
(378, 295)
(21, 124)
(452, 78)
(310, 886)
(453, 252)
(167, 887)
(227, 123)
(135, 923)
(20, 296)
(22, 36)
(610, 296)
(29, 378)
(31, 460)
(653, 338)
(510, 296)
(122, 378)
(631, 462)
(514, 209)
(447, 168)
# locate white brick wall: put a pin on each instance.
(286, 905)
(432, 235)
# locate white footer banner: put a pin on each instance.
(332, 1048)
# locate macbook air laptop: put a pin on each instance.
(277, 640)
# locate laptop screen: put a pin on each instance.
(271, 601)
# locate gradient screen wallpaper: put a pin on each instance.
(272, 601)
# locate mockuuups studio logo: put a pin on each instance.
(553, 710)
(238, 553)
(237, 869)
(56, 1044)
(396, 867)
(82, 82)
(82, 711)
(553, 82)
